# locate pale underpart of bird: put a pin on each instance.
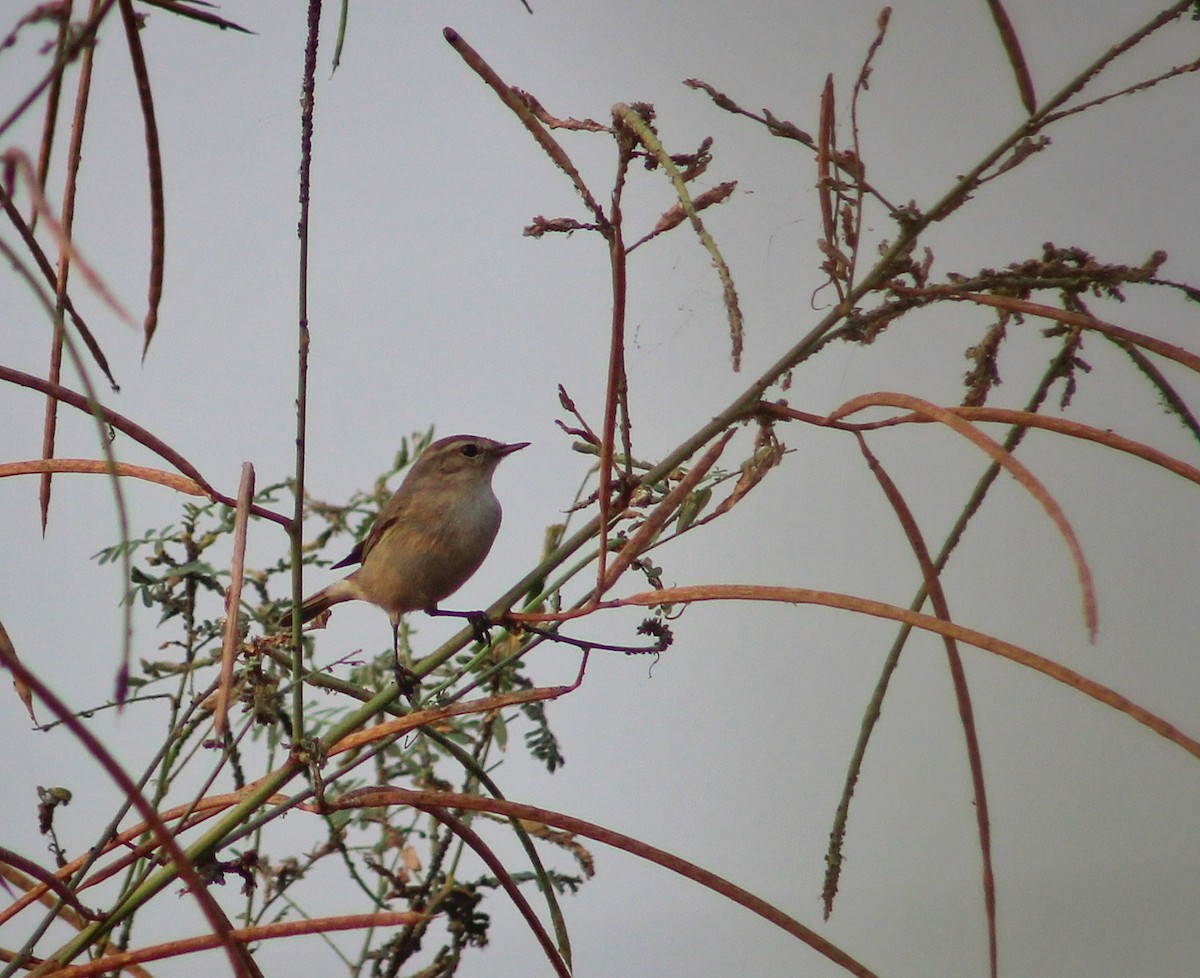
(429, 538)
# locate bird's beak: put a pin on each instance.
(509, 449)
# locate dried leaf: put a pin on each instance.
(9, 654)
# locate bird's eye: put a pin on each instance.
(470, 449)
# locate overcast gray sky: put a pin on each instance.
(428, 306)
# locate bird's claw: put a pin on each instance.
(406, 680)
(481, 626)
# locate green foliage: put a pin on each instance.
(182, 572)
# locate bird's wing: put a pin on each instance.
(394, 510)
(355, 556)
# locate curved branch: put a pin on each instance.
(428, 801)
(243, 935)
(879, 609)
(94, 466)
(1069, 318)
(1010, 463)
(134, 431)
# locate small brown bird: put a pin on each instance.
(429, 538)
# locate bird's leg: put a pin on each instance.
(406, 679)
(481, 625)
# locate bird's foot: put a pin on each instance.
(406, 680)
(481, 625)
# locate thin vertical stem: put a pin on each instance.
(307, 104)
(53, 100)
(67, 221)
(616, 387)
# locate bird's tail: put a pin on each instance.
(323, 600)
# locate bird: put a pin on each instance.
(427, 540)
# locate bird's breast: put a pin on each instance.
(430, 553)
